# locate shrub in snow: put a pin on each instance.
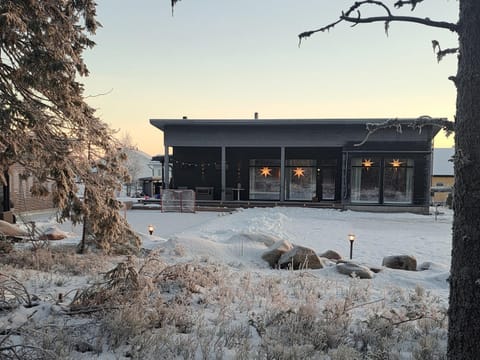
(344, 352)
(5, 245)
(146, 308)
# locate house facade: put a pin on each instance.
(443, 175)
(300, 161)
(16, 197)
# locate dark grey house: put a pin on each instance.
(300, 161)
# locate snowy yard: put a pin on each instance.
(205, 291)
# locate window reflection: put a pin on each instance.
(301, 179)
(395, 174)
(264, 179)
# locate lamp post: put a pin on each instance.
(150, 229)
(351, 238)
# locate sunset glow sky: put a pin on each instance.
(228, 59)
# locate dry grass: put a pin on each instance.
(57, 259)
(144, 308)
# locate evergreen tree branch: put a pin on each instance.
(45, 123)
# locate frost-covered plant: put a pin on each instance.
(5, 245)
(57, 259)
(344, 352)
(47, 127)
(179, 250)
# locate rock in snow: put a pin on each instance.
(8, 229)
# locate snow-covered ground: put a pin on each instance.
(216, 238)
(213, 234)
(377, 235)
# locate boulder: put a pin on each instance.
(375, 269)
(400, 262)
(274, 252)
(332, 255)
(300, 257)
(355, 270)
(11, 230)
(427, 265)
(53, 233)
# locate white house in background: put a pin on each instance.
(442, 174)
(141, 167)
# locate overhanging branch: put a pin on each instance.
(348, 16)
(412, 19)
(416, 124)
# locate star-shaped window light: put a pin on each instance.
(367, 163)
(299, 172)
(396, 163)
(266, 171)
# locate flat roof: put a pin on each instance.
(162, 123)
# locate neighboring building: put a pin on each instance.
(145, 173)
(17, 198)
(442, 175)
(303, 161)
(152, 185)
(20, 195)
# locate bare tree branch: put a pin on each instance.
(441, 53)
(401, 3)
(99, 94)
(417, 124)
(173, 4)
(389, 17)
(412, 19)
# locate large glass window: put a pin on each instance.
(264, 179)
(300, 180)
(328, 182)
(365, 180)
(386, 180)
(398, 181)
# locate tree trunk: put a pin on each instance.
(464, 309)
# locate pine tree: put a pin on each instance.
(45, 123)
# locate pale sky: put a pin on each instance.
(228, 59)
